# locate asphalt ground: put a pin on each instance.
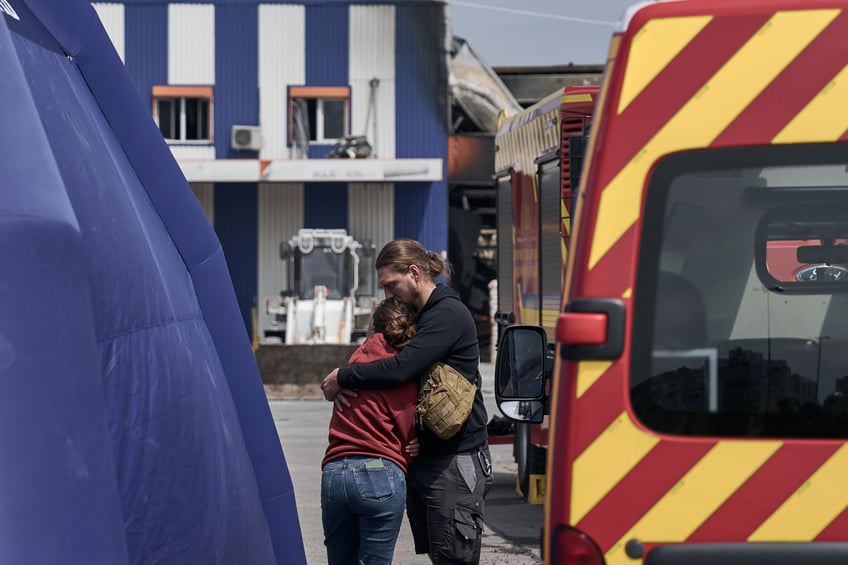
(301, 414)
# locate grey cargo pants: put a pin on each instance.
(445, 505)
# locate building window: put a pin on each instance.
(183, 113)
(318, 114)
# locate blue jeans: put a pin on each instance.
(362, 506)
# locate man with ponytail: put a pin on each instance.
(448, 481)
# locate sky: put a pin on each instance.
(525, 33)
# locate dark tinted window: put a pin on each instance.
(327, 118)
(741, 300)
(334, 118)
(197, 118)
(168, 118)
(321, 267)
(183, 119)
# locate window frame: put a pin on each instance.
(181, 93)
(319, 93)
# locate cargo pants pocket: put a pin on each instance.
(463, 535)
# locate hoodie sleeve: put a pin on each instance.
(437, 331)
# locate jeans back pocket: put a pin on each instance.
(374, 483)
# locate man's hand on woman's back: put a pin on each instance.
(334, 392)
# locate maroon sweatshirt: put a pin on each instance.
(378, 422)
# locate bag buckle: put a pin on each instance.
(485, 463)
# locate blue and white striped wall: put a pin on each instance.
(251, 52)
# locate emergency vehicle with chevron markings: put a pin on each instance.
(697, 393)
(538, 156)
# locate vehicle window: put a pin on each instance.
(322, 267)
(741, 298)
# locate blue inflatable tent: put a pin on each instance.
(133, 423)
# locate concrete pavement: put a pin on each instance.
(302, 416)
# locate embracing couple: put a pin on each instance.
(375, 465)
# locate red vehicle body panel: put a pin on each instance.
(711, 83)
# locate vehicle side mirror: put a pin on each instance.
(520, 373)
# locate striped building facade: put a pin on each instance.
(387, 60)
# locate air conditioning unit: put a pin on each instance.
(246, 138)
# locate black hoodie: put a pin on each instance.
(445, 331)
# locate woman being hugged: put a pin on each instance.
(448, 481)
(371, 443)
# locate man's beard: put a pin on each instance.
(414, 295)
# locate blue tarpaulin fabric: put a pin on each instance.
(133, 423)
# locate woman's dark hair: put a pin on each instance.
(401, 254)
(395, 321)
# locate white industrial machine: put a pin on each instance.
(330, 290)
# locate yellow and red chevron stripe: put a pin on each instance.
(721, 76)
(716, 103)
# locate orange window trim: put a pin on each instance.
(182, 91)
(319, 91)
(337, 92)
(186, 92)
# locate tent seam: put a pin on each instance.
(151, 326)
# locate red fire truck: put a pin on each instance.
(697, 393)
(538, 156)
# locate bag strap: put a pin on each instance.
(478, 378)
